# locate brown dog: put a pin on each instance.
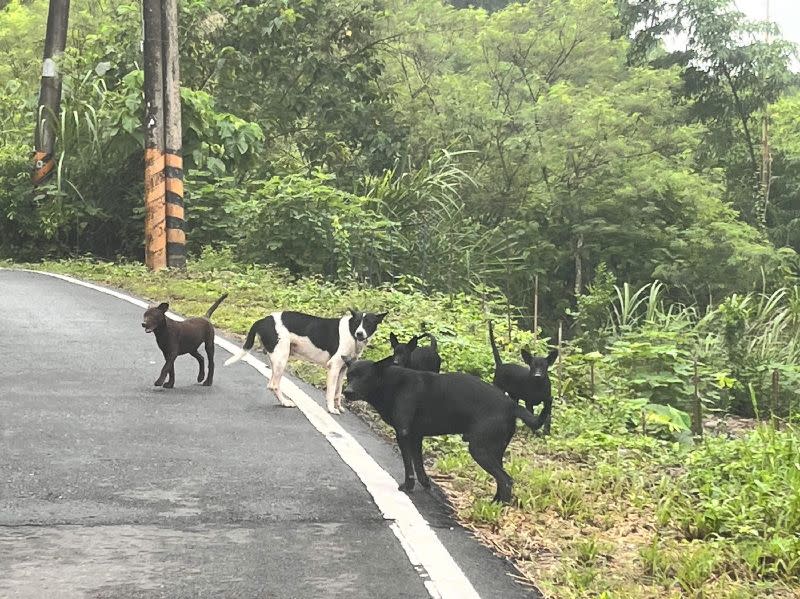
(178, 338)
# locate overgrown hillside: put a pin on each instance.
(374, 140)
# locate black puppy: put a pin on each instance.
(423, 404)
(530, 385)
(178, 338)
(408, 355)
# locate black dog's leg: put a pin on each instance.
(419, 465)
(406, 450)
(168, 369)
(202, 374)
(210, 354)
(486, 457)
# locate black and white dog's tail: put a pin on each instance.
(497, 360)
(527, 417)
(215, 305)
(248, 343)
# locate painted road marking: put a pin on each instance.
(441, 575)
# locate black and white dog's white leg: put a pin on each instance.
(278, 361)
(339, 385)
(335, 368)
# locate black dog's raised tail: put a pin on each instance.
(534, 423)
(495, 353)
(248, 343)
(433, 346)
(215, 305)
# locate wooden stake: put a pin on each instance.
(776, 375)
(536, 308)
(697, 407)
(560, 362)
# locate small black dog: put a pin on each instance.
(408, 355)
(178, 338)
(423, 404)
(530, 385)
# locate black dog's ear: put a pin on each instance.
(163, 306)
(393, 340)
(381, 316)
(412, 345)
(348, 361)
(353, 311)
(551, 357)
(386, 362)
(526, 356)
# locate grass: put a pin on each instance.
(600, 510)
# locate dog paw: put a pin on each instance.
(206, 383)
(407, 486)
(334, 410)
(200, 378)
(169, 385)
(288, 403)
(425, 482)
(158, 383)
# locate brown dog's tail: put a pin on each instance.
(497, 360)
(535, 423)
(215, 305)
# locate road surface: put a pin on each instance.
(111, 487)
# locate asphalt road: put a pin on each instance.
(111, 487)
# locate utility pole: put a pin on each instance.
(173, 171)
(155, 237)
(49, 105)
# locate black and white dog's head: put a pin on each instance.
(364, 324)
(538, 364)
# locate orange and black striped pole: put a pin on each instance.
(173, 171)
(155, 235)
(50, 93)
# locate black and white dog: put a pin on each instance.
(410, 355)
(323, 341)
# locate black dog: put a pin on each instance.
(408, 355)
(423, 404)
(530, 385)
(178, 338)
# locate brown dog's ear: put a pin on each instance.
(393, 341)
(526, 356)
(163, 306)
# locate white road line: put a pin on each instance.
(442, 576)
